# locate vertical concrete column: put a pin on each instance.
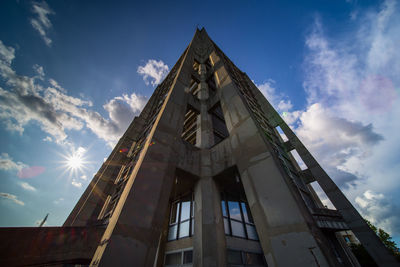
(209, 238)
(203, 93)
(357, 224)
(204, 134)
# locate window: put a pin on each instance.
(179, 258)
(190, 125)
(238, 221)
(219, 127)
(181, 218)
(194, 87)
(242, 258)
(196, 66)
(211, 84)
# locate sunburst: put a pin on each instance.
(75, 162)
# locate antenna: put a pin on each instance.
(44, 220)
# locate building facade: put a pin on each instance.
(203, 178)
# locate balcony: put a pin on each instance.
(329, 219)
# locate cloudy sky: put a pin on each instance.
(75, 73)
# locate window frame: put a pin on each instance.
(243, 254)
(224, 201)
(182, 252)
(178, 222)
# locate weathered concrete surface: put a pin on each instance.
(39, 246)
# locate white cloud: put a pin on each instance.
(55, 111)
(278, 101)
(154, 71)
(47, 139)
(84, 177)
(41, 22)
(7, 163)
(380, 211)
(76, 183)
(58, 201)
(351, 120)
(39, 70)
(12, 197)
(27, 186)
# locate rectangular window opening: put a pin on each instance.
(281, 133)
(179, 258)
(208, 64)
(322, 195)
(190, 125)
(218, 122)
(298, 159)
(196, 65)
(181, 220)
(238, 221)
(194, 86)
(103, 210)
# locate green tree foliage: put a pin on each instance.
(362, 255)
(385, 238)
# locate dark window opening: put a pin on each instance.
(218, 122)
(190, 125)
(211, 84)
(243, 258)
(181, 218)
(208, 64)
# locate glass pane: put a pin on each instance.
(223, 208)
(237, 229)
(184, 229)
(251, 232)
(246, 213)
(173, 258)
(226, 226)
(174, 213)
(234, 257)
(253, 258)
(234, 210)
(185, 210)
(188, 256)
(172, 232)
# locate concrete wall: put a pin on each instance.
(39, 246)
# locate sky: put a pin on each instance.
(73, 74)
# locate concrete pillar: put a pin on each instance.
(205, 130)
(209, 237)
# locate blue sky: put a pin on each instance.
(74, 73)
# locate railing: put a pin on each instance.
(329, 219)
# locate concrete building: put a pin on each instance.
(203, 178)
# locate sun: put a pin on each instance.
(75, 161)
